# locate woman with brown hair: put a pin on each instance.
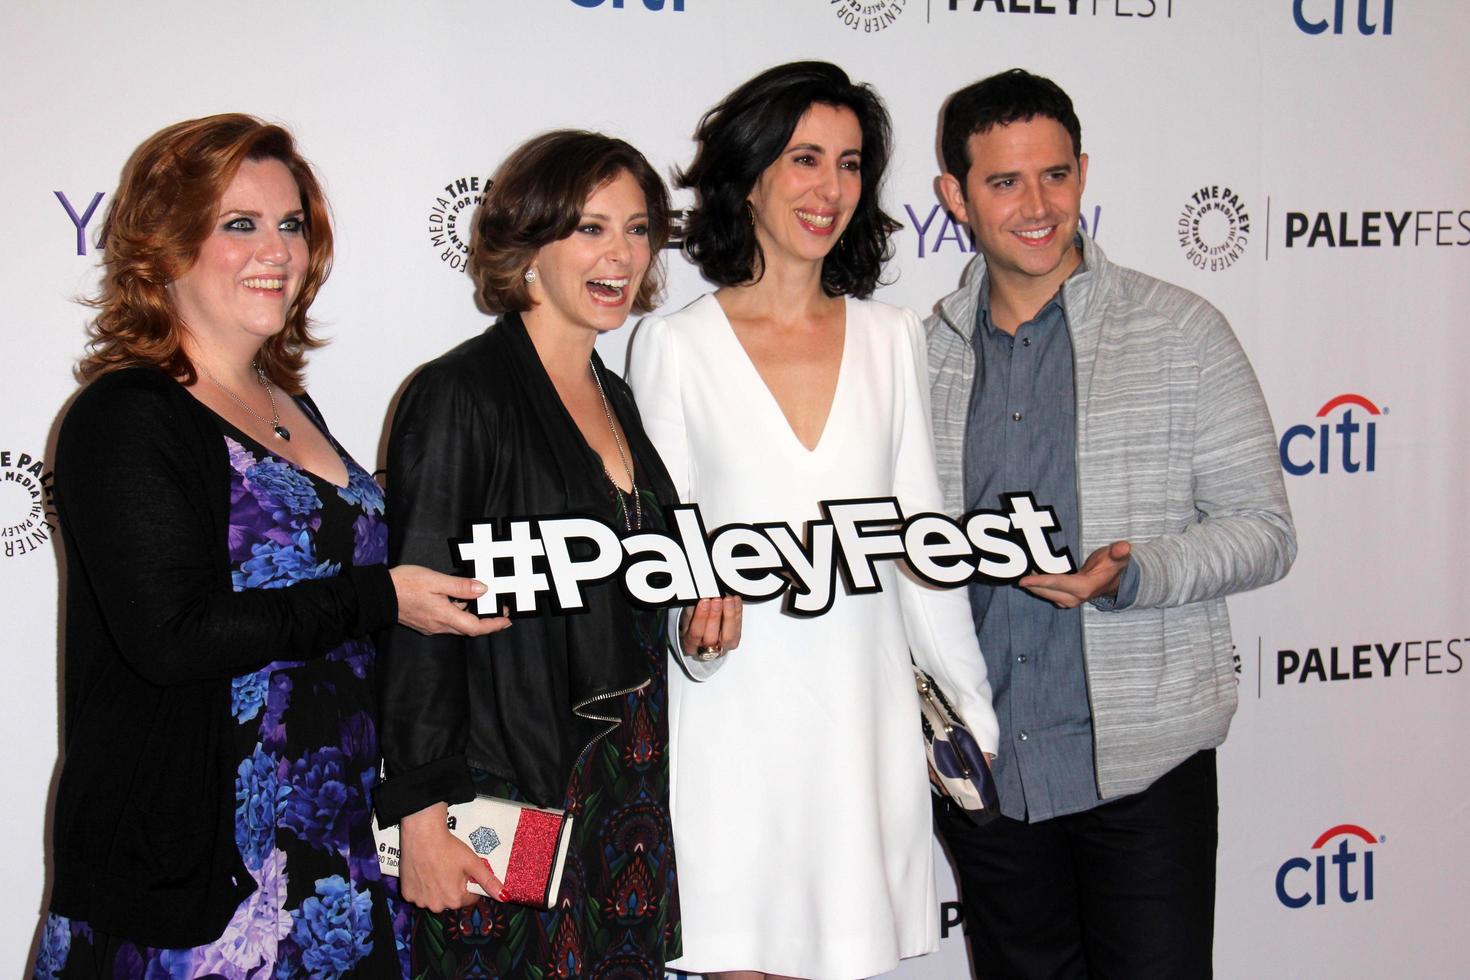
(225, 572)
(562, 710)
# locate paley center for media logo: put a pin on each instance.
(27, 507)
(1305, 880)
(450, 219)
(1349, 445)
(1134, 9)
(1318, 16)
(1214, 228)
(867, 16)
(938, 229)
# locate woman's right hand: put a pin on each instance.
(436, 867)
(432, 602)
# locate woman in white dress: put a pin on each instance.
(800, 795)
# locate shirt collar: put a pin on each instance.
(982, 306)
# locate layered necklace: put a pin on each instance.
(282, 433)
(633, 521)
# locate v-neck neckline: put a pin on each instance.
(548, 390)
(307, 471)
(771, 399)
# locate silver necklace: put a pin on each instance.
(634, 523)
(282, 433)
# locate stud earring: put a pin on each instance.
(529, 275)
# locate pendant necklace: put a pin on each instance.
(282, 433)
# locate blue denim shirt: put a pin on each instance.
(1022, 436)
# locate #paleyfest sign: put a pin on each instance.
(537, 565)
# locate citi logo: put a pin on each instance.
(675, 5)
(1304, 881)
(1380, 8)
(1354, 444)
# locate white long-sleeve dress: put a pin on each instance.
(800, 789)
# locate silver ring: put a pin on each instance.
(704, 654)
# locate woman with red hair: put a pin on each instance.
(225, 572)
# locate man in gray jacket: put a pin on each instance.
(1127, 405)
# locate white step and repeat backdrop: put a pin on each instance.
(1300, 163)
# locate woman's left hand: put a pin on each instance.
(711, 627)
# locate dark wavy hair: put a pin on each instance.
(746, 133)
(165, 207)
(1009, 97)
(536, 198)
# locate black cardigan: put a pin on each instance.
(479, 434)
(144, 831)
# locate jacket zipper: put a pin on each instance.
(1077, 489)
(612, 723)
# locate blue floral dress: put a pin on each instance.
(308, 761)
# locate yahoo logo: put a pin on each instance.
(958, 233)
(80, 221)
(1325, 435)
(1303, 881)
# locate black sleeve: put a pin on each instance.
(439, 469)
(133, 499)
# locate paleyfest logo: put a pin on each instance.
(450, 218)
(868, 16)
(1132, 9)
(1444, 227)
(1214, 228)
(1303, 881)
(1379, 660)
(523, 561)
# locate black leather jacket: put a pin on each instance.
(481, 434)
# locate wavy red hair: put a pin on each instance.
(164, 208)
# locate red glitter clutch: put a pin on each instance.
(524, 846)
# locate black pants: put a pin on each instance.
(1125, 890)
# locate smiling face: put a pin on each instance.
(250, 268)
(590, 278)
(803, 202)
(1022, 199)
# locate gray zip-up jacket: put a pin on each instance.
(1175, 454)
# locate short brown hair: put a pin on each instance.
(536, 198)
(164, 209)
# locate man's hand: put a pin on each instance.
(1098, 576)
